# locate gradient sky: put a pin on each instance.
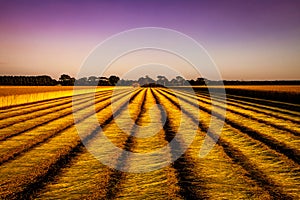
(248, 40)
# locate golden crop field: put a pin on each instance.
(14, 95)
(42, 156)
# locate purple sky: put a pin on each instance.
(248, 40)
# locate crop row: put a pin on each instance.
(144, 130)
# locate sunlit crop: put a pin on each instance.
(15, 95)
(42, 156)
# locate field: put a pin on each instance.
(266, 88)
(15, 95)
(42, 156)
(286, 93)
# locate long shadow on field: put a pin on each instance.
(42, 139)
(237, 156)
(117, 176)
(54, 170)
(183, 165)
(278, 146)
(277, 126)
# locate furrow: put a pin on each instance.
(272, 121)
(246, 106)
(22, 114)
(17, 145)
(278, 140)
(183, 165)
(215, 176)
(29, 125)
(96, 176)
(286, 108)
(154, 177)
(116, 177)
(31, 105)
(270, 169)
(41, 163)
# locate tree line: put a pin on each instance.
(67, 80)
(27, 80)
(64, 80)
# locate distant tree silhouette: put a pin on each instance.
(27, 80)
(180, 80)
(162, 80)
(200, 81)
(159, 79)
(113, 80)
(64, 77)
(123, 82)
(173, 82)
(66, 80)
(145, 80)
(92, 79)
(82, 81)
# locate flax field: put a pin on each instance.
(42, 156)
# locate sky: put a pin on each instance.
(247, 40)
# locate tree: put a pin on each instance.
(173, 82)
(82, 81)
(123, 82)
(103, 81)
(92, 80)
(200, 81)
(66, 80)
(162, 80)
(192, 82)
(64, 77)
(145, 80)
(180, 80)
(27, 80)
(113, 80)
